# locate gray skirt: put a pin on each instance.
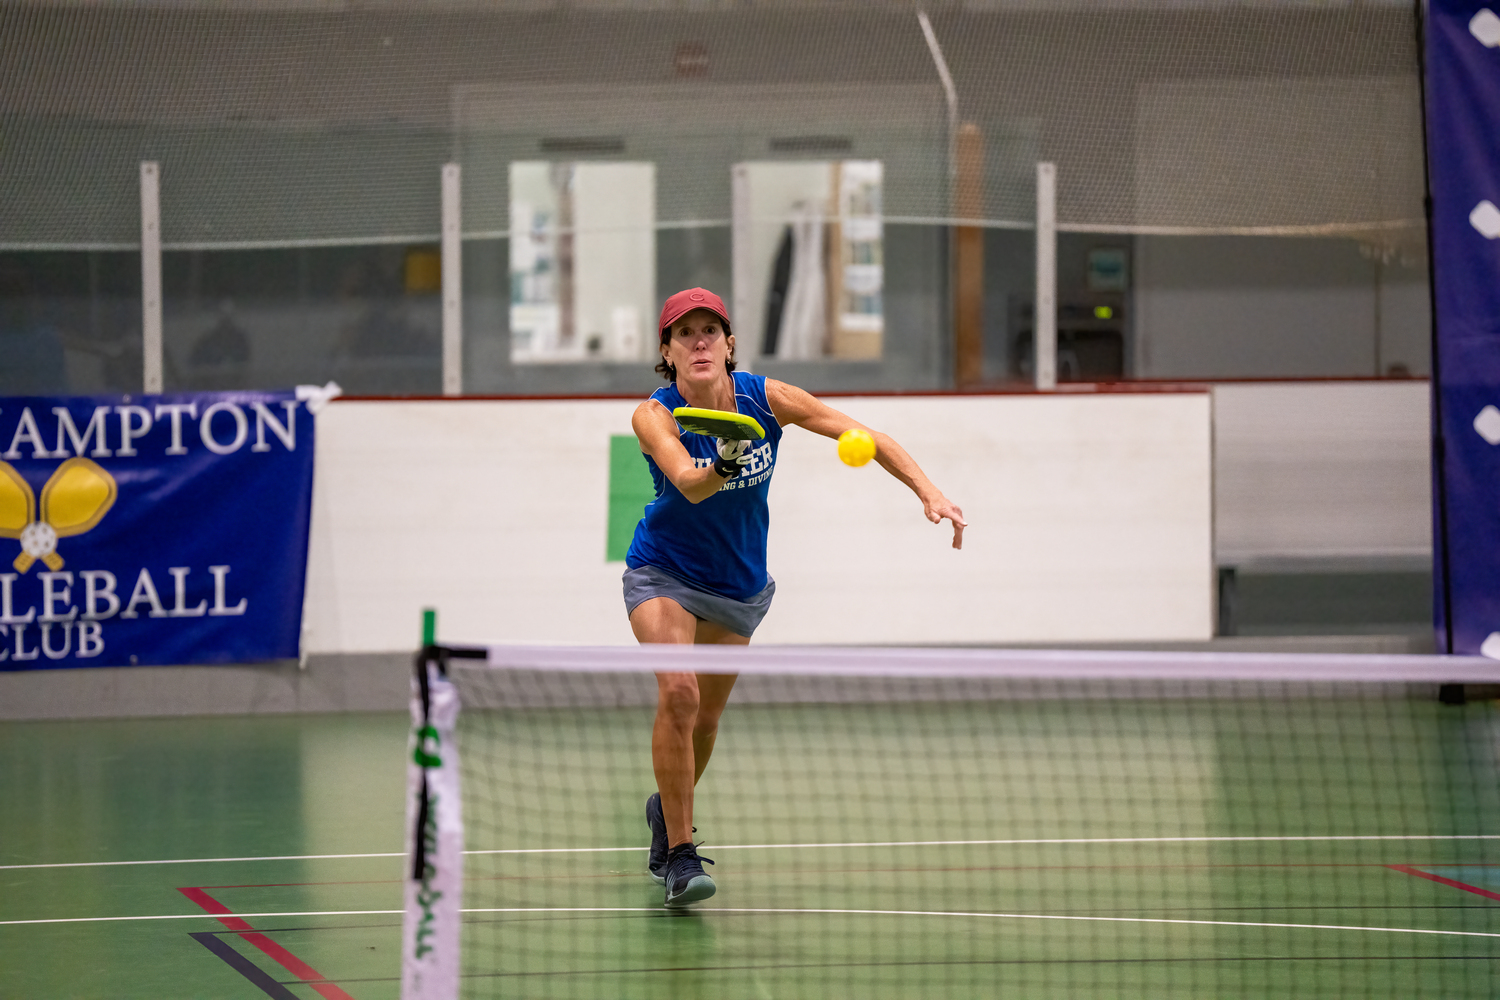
(740, 617)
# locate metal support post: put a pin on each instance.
(151, 367)
(1045, 313)
(453, 283)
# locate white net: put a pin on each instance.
(935, 823)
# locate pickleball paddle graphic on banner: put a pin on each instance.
(76, 497)
(168, 530)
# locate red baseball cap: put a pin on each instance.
(684, 302)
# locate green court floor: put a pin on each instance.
(1066, 848)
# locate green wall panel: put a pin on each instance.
(630, 490)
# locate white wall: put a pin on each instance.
(1090, 520)
(1322, 470)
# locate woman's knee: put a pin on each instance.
(677, 698)
(713, 695)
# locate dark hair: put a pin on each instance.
(669, 372)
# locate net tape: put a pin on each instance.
(918, 662)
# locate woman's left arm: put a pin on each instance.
(792, 405)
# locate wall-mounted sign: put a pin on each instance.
(153, 529)
(1108, 269)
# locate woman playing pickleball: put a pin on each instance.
(696, 569)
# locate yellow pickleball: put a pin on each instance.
(856, 447)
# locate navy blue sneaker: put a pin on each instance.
(656, 864)
(687, 882)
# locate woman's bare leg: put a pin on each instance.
(687, 710)
(662, 619)
(713, 693)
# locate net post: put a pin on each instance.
(453, 282)
(1044, 339)
(151, 361)
(433, 883)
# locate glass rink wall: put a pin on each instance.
(446, 198)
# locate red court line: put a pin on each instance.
(1440, 880)
(276, 952)
(283, 885)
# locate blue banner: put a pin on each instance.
(1463, 149)
(164, 529)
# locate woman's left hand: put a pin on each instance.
(940, 507)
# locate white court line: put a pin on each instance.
(204, 861)
(960, 843)
(794, 847)
(787, 911)
(993, 916)
(196, 916)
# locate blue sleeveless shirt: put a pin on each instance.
(718, 545)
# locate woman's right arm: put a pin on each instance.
(657, 431)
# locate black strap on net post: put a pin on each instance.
(427, 655)
(437, 656)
